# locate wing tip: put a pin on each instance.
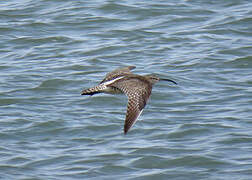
(125, 131)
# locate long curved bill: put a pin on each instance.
(168, 80)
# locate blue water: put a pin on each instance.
(199, 129)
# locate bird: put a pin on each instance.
(137, 87)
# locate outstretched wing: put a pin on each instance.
(117, 73)
(138, 92)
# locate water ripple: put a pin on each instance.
(50, 51)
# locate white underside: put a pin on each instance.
(111, 90)
(113, 80)
(137, 118)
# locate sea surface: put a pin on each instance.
(199, 129)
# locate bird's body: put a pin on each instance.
(137, 88)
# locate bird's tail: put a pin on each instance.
(93, 90)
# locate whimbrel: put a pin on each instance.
(137, 88)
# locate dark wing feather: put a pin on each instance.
(138, 91)
(117, 73)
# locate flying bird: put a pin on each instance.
(136, 87)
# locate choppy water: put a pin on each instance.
(51, 50)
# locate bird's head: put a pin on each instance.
(153, 79)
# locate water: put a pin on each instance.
(199, 129)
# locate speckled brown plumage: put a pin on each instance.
(118, 73)
(137, 88)
(138, 91)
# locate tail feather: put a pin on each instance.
(85, 92)
(92, 91)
